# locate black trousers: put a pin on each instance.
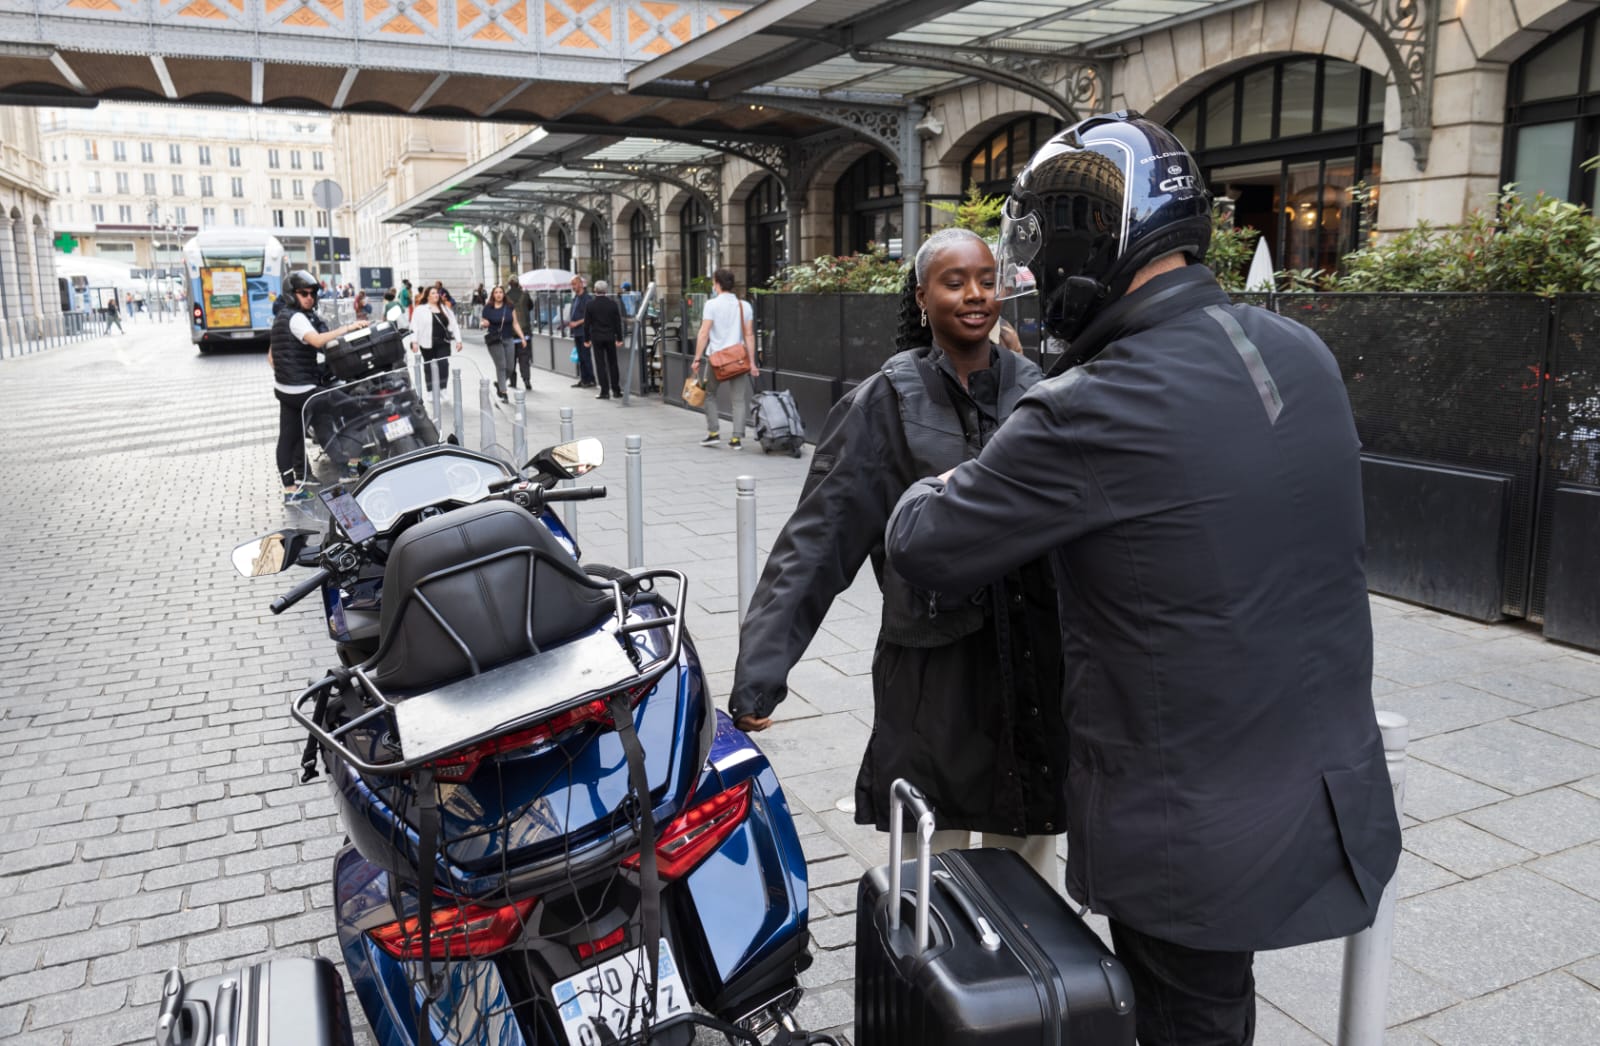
(291, 436)
(1186, 996)
(605, 367)
(523, 361)
(428, 366)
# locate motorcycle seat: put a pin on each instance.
(474, 588)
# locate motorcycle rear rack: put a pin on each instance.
(483, 705)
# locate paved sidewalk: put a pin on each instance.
(150, 815)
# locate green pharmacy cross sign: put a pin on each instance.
(462, 239)
(66, 243)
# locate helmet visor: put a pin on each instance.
(1020, 241)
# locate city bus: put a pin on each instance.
(232, 278)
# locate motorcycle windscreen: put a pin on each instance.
(354, 425)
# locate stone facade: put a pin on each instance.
(27, 264)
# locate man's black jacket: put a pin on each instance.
(1197, 487)
(602, 321)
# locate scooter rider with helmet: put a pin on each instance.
(298, 335)
(1191, 468)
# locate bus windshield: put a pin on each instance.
(252, 262)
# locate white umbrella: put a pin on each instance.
(1260, 275)
(545, 280)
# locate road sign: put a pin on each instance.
(341, 249)
(327, 194)
(376, 278)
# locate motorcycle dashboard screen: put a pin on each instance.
(392, 493)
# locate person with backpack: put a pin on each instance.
(966, 695)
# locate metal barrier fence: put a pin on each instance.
(24, 335)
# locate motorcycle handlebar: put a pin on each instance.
(574, 493)
(301, 591)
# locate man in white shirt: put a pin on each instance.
(727, 321)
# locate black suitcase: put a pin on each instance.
(986, 952)
(367, 351)
(284, 1002)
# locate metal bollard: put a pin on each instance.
(570, 510)
(485, 415)
(635, 473)
(1364, 991)
(519, 429)
(458, 408)
(436, 370)
(416, 375)
(744, 501)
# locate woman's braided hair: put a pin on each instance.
(911, 333)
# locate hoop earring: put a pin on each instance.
(924, 317)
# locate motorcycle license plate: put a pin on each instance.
(611, 992)
(397, 428)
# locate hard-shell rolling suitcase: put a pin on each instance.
(777, 422)
(284, 1002)
(985, 953)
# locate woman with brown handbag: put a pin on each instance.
(728, 324)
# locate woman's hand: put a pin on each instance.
(484, 324)
(459, 346)
(753, 724)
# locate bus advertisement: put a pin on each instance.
(232, 277)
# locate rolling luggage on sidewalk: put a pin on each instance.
(985, 953)
(777, 422)
(284, 1002)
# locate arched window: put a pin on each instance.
(1553, 115)
(993, 164)
(1286, 141)
(598, 252)
(641, 250)
(563, 248)
(766, 232)
(693, 229)
(866, 204)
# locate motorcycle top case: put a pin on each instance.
(1008, 962)
(284, 1002)
(366, 351)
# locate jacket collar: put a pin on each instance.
(1168, 295)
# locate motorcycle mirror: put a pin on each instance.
(270, 553)
(569, 460)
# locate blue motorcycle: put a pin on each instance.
(554, 835)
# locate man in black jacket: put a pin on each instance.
(1196, 484)
(603, 327)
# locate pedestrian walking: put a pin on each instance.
(965, 694)
(1195, 480)
(603, 321)
(480, 297)
(434, 333)
(521, 301)
(112, 314)
(576, 318)
(726, 322)
(393, 311)
(407, 300)
(362, 309)
(501, 335)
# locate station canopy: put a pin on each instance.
(778, 73)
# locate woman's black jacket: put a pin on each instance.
(979, 733)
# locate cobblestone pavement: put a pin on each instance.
(150, 815)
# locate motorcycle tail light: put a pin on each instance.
(464, 932)
(690, 837)
(590, 949)
(460, 766)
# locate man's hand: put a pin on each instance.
(752, 724)
(944, 477)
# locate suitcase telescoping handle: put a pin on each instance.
(901, 795)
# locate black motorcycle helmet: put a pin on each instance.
(1096, 203)
(299, 280)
